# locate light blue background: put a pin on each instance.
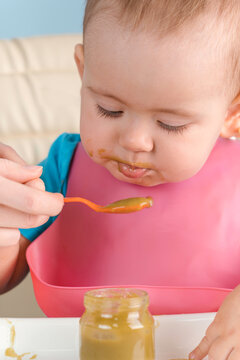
(20, 18)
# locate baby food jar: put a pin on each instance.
(117, 325)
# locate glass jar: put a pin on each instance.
(117, 325)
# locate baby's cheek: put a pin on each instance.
(87, 145)
(88, 130)
(184, 167)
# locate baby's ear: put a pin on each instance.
(79, 58)
(231, 126)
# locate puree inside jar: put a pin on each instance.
(116, 331)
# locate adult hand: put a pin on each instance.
(24, 203)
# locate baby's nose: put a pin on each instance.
(137, 138)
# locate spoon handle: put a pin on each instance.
(89, 203)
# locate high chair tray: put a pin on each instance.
(58, 338)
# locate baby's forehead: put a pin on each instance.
(195, 38)
(203, 28)
(202, 31)
(132, 67)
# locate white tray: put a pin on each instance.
(58, 339)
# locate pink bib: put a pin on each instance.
(185, 250)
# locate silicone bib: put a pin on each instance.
(185, 250)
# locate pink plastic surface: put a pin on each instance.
(67, 301)
(58, 301)
(184, 251)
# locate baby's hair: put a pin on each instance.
(162, 17)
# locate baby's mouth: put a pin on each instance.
(131, 171)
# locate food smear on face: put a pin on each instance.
(142, 165)
(101, 151)
(90, 153)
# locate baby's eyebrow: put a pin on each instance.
(105, 94)
(176, 111)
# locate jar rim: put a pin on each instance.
(125, 297)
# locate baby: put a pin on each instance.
(160, 84)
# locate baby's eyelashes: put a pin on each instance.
(171, 128)
(108, 113)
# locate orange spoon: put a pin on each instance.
(119, 207)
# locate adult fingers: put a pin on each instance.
(12, 218)
(36, 184)
(9, 237)
(29, 200)
(14, 171)
(7, 152)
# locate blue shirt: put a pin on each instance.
(55, 174)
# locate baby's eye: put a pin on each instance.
(171, 128)
(107, 113)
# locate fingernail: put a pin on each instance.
(60, 196)
(191, 357)
(34, 168)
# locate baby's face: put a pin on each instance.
(152, 109)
